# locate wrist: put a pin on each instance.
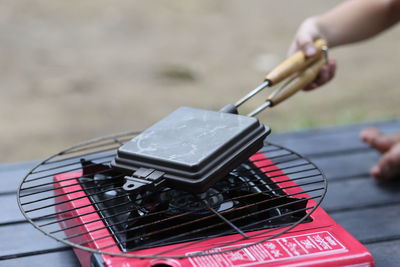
(328, 30)
(320, 28)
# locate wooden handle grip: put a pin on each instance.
(297, 83)
(293, 64)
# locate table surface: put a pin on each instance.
(367, 209)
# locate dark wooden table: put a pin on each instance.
(367, 209)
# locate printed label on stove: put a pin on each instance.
(293, 247)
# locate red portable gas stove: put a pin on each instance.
(273, 220)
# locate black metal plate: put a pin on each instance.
(194, 147)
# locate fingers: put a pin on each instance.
(310, 87)
(388, 166)
(306, 43)
(378, 140)
(368, 134)
(304, 39)
(326, 74)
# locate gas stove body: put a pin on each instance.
(318, 241)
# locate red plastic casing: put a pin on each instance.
(321, 242)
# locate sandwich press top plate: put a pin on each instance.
(190, 149)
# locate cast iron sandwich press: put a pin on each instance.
(191, 148)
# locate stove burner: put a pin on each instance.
(155, 218)
(180, 202)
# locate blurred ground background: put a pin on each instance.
(74, 70)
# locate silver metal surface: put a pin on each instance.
(42, 199)
(252, 93)
(260, 108)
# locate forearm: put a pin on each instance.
(356, 20)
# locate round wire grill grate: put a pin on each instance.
(75, 197)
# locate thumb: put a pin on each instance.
(306, 44)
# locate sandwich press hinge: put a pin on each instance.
(143, 179)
